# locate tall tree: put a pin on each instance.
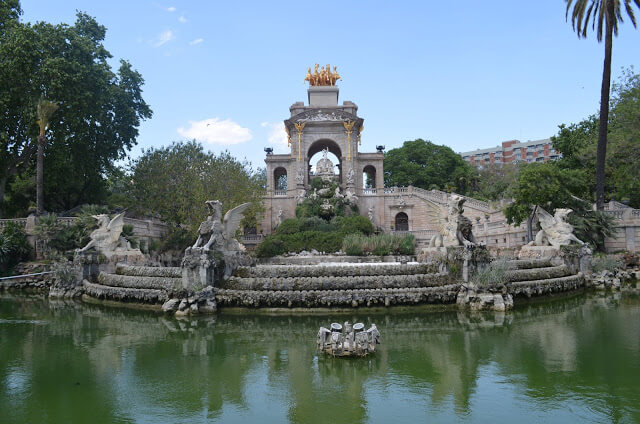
(426, 165)
(606, 14)
(100, 111)
(175, 181)
(46, 109)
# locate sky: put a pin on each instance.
(465, 74)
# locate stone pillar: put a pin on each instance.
(198, 268)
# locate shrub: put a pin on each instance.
(177, 239)
(353, 224)
(605, 263)
(289, 226)
(315, 223)
(495, 273)
(127, 233)
(380, 245)
(270, 246)
(14, 247)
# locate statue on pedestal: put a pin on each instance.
(453, 227)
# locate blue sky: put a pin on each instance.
(466, 74)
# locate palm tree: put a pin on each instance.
(46, 109)
(605, 14)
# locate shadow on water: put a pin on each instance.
(577, 358)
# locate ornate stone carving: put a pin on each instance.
(348, 340)
(351, 177)
(300, 176)
(107, 238)
(453, 226)
(555, 230)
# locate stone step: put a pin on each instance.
(124, 294)
(531, 263)
(149, 271)
(334, 270)
(337, 298)
(328, 282)
(546, 286)
(168, 284)
(528, 274)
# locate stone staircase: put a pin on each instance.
(139, 284)
(336, 285)
(539, 277)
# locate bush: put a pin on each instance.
(380, 245)
(14, 246)
(353, 224)
(127, 233)
(605, 263)
(495, 273)
(178, 239)
(289, 226)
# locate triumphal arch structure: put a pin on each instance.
(323, 125)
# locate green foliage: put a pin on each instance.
(353, 224)
(175, 181)
(100, 110)
(605, 263)
(494, 274)
(591, 226)
(547, 185)
(14, 247)
(426, 165)
(127, 233)
(578, 143)
(380, 244)
(279, 244)
(322, 195)
(176, 240)
(494, 181)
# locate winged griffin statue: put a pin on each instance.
(107, 238)
(453, 227)
(555, 230)
(218, 235)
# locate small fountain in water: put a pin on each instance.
(348, 340)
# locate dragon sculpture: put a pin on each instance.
(453, 227)
(555, 230)
(107, 238)
(220, 234)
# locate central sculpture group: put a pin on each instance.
(322, 77)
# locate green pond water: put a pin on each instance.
(567, 360)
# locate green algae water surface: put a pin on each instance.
(570, 360)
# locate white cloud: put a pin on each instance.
(196, 41)
(276, 133)
(182, 19)
(216, 131)
(164, 37)
(171, 9)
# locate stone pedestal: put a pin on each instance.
(538, 252)
(483, 299)
(198, 268)
(92, 263)
(577, 258)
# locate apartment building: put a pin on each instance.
(513, 151)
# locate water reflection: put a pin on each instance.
(576, 358)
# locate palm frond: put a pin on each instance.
(46, 109)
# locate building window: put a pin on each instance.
(402, 222)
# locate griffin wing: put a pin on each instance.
(232, 219)
(545, 218)
(437, 215)
(115, 227)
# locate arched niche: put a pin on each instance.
(369, 176)
(280, 182)
(402, 222)
(316, 148)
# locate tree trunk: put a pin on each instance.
(40, 175)
(601, 152)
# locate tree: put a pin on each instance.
(175, 181)
(99, 116)
(45, 109)
(426, 165)
(547, 185)
(493, 181)
(606, 14)
(578, 143)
